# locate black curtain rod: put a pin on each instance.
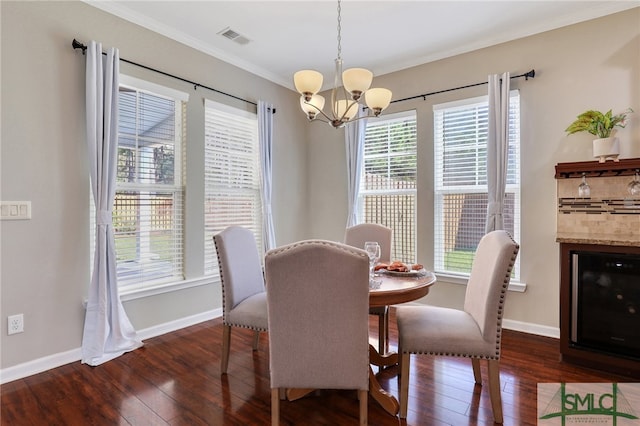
(77, 45)
(526, 76)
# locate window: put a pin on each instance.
(460, 143)
(148, 205)
(388, 184)
(232, 176)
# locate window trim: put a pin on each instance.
(362, 193)
(440, 189)
(152, 88)
(210, 267)
(137, 289)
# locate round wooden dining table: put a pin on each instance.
(394, 289)
(400, 288)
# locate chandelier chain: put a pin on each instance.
(339, 32)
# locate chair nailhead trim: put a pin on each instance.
(339, 246)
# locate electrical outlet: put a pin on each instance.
(15, 324)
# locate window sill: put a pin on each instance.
(143, 292)
(140, 293)
(515, 286)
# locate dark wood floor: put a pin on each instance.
(175, 379)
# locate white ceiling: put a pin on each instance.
(381, 35)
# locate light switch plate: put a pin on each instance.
(15, 210)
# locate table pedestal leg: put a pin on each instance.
(387, 401)
(386, 360)
(297, 393)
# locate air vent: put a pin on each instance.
(234, 36)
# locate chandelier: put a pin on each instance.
(353, 82)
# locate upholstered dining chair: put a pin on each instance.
(356, 236)
(318, 301)
(244, 300)
(475, 331)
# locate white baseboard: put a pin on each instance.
(527, 327)
(168, 327)
(56, 360)
(39, 365)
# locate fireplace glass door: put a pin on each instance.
(605, 299)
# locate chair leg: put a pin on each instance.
(256, 339)
(363, 396)
(275, 407)
(475, 363)
(226, 343)
(494, 389)
(404, 384)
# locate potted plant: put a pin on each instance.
(602, 126)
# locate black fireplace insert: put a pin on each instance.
(605, 303)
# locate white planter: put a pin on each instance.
(606, 149)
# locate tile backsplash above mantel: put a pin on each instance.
(610, 215)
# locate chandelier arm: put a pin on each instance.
(346, 95)
(360, 118)
(349, 105)
(336, 83)
(334, 103)
(319, 120)
(320, 111)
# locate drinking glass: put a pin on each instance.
(373, 250)
(584, 190)
(634, 185)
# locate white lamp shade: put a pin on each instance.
(307, 107)
(350, 107)
(307, 81)
(357, 79)
(378, 98)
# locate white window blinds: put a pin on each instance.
(232, 175)
(388, 185)
(460, 144)
(148, 206)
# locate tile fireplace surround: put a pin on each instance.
(610, 216)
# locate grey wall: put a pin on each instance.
(45, 260)
(592, 65)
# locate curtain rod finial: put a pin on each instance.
(77, 45)
(531, 74)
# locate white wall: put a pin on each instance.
(45, 260)
(592, 65)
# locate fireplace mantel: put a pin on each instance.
(624, 167)
(596, 239)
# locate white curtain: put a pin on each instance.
(354, 141)
(265, 138)
(497, 149)
(108, 333)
